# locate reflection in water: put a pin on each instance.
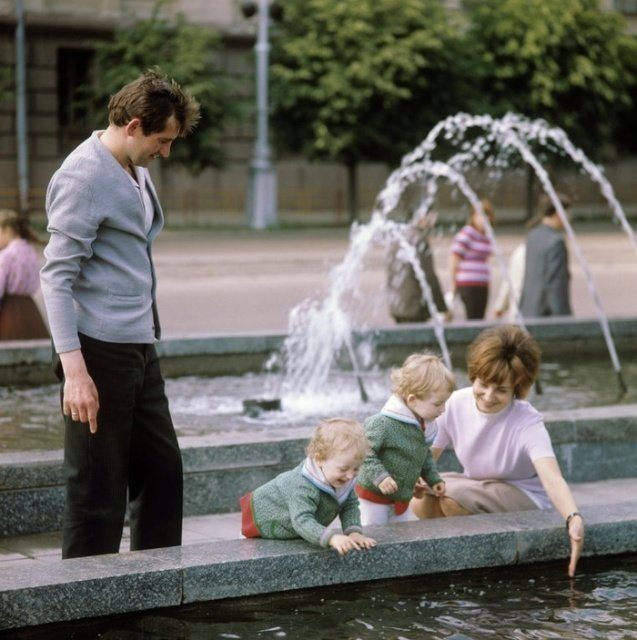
(30, 417)
(516, 603)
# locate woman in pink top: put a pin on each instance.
(500, 440)
(20, 318)
(470, 252)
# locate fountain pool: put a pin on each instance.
(516, 603)
(320, 329)
(213, 405)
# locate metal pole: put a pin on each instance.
(262, 195)
(21, 111)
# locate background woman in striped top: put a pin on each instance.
(470, 252)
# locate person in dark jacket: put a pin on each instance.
(546, 288)
(407, 301)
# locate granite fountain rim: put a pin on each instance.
(38, 352)
(564, 425)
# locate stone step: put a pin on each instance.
(590, 444)
(46, 589)
(29, 361)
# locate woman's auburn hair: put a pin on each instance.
(504, 354)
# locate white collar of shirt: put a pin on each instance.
(396, 408)
(144, 194)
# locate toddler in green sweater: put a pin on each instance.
(301, 503)
(400, 462)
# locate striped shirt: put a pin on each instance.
(473, 248)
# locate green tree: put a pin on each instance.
(362, 80)
(185, 52)
(626, 122)
(565, 61)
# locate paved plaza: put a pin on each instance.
(220, 281)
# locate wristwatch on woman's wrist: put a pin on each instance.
(571, 516)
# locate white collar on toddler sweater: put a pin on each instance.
(313, 473)
(395, 408)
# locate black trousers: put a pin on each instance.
(134, 451)
(474, 300)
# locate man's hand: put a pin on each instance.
(81, 401)
(388, 486)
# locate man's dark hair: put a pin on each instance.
(154, 98)
(546, 206)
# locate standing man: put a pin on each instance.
(99, 284)
(545, 291)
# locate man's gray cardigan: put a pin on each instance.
(98, 277)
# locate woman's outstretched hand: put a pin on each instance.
(576, 535)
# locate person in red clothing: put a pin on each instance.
(470, 252)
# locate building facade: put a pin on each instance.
(59, 38)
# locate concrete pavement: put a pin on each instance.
(219, 281)
(44, 589)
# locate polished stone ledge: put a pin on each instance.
(29, 362)
(137, 581)
(590, 445)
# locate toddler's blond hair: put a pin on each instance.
(337, 435)
(421, 375)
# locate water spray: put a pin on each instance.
(356, 369)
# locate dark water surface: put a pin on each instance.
(517, 603)
(30, 416)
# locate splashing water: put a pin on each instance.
(515, 132)
(319, 331)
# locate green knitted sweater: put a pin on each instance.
(399, 450)
(291, 506)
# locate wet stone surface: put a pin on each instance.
(112, 584)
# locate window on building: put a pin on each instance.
(74, 68)
(627, 7)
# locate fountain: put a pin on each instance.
(322, 332)
(318, 331)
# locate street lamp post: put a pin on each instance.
(262, 189)
(21, 112)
